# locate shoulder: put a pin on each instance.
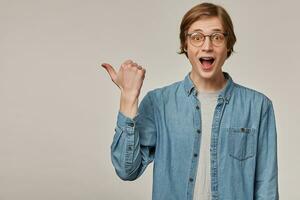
(167, 91)
(248, 94)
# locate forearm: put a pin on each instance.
(125, 149)
(266, 179)
(134, 141)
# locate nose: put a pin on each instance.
(207, 45)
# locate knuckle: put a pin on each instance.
(124, 66)
(126, 62)
(141, 72)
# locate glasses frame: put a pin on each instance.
(225, 34)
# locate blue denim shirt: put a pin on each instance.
(167, 130)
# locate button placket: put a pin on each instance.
(196, 146)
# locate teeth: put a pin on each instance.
(206, 58)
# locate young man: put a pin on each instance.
(209, 137)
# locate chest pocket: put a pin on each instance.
(241, 143)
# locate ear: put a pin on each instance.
(185, 47)
(228, 52)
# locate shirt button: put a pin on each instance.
(198, 131)
(197, 107)
(195, 154)
(191, 179)
(131, 124)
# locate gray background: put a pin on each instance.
(58, 107)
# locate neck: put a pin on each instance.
(208, 85)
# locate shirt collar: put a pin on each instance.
(225, 93)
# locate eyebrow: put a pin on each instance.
(215, 29)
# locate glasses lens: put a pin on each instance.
(218, 39)
(197, 39)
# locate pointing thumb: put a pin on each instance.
(110, 70)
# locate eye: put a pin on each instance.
(197, 37)
(218, 37)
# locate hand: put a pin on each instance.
(129, 78)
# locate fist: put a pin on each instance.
(129, 78)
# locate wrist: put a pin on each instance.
(129, 105)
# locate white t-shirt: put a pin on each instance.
(208, 101)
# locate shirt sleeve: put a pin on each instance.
(266, 177)
(133, 145)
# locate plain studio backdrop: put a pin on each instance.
(58, 107)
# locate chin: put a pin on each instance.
(207, 75)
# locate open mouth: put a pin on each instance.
(207, 62)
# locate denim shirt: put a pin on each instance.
(167, 130)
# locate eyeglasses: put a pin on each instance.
(197, 39)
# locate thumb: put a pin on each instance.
(111, 71)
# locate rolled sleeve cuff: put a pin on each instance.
(125, 122)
